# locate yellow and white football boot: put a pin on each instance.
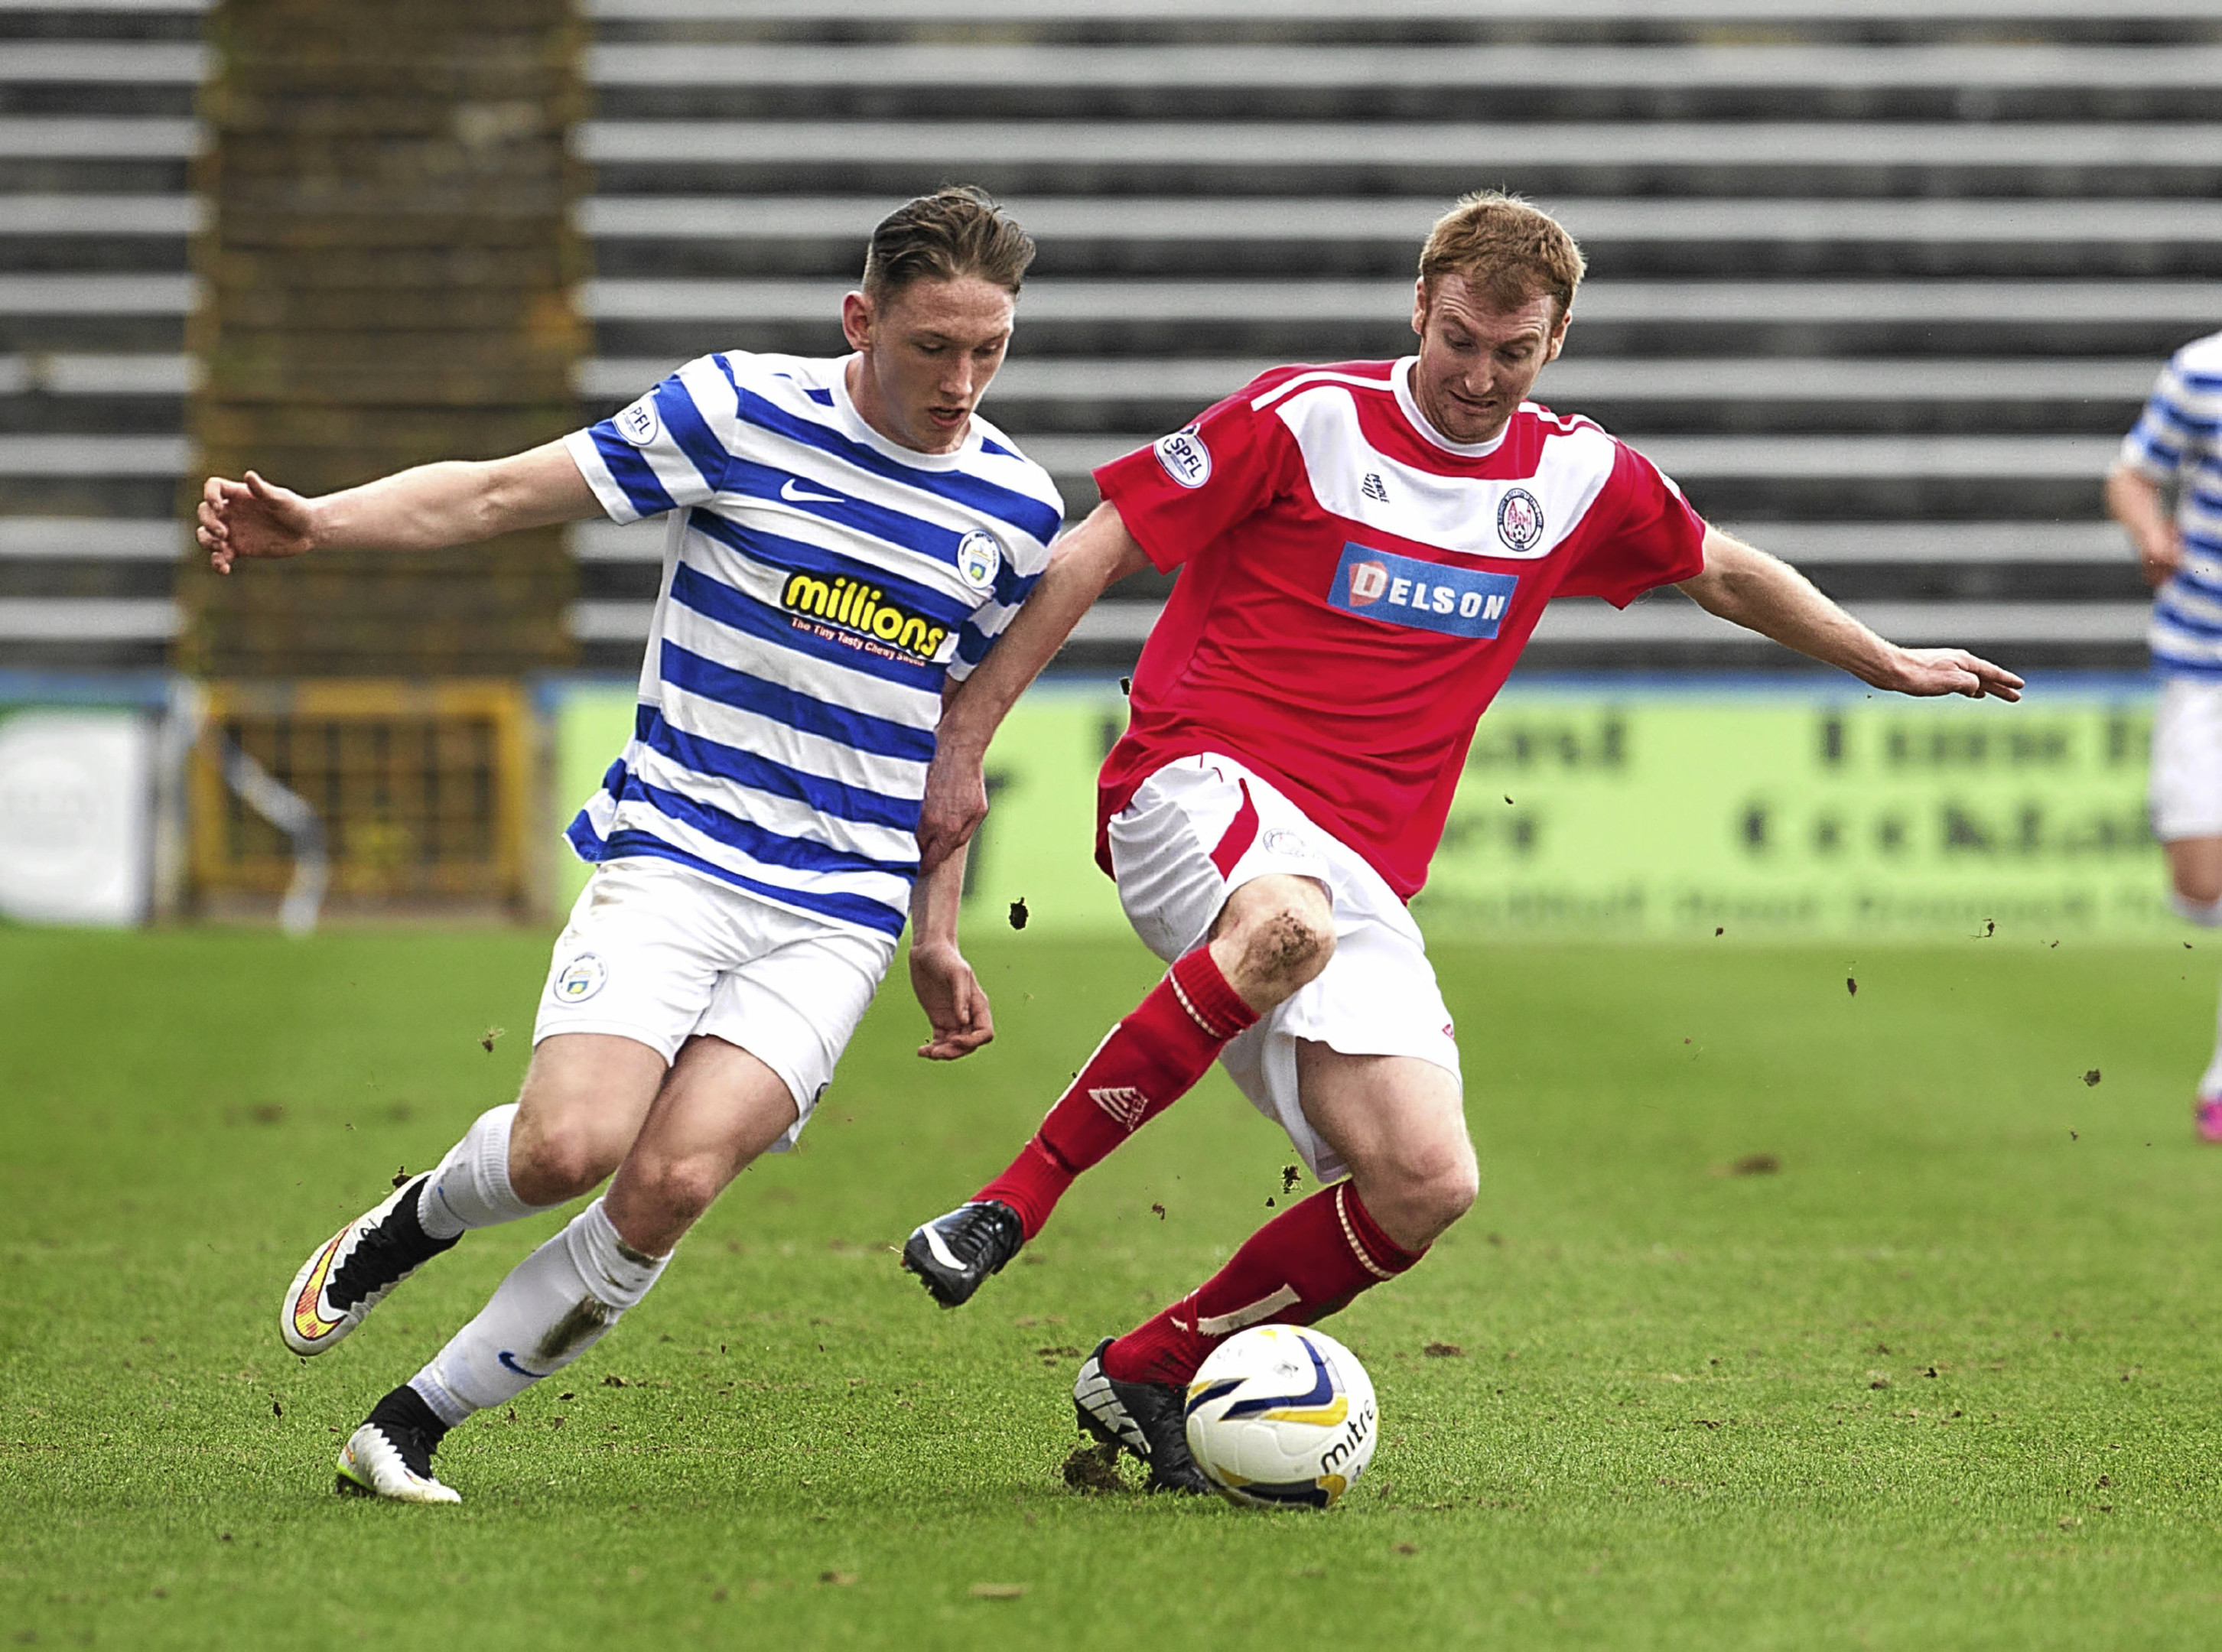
(351, 1273)
(388, 1459)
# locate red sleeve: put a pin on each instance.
(1182, 491)
(1646, 535)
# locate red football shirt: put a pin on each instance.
(1355, 588)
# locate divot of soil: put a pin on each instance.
(1093, 1467)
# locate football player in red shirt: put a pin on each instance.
(1365, 549)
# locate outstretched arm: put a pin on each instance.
(1088, 561)
(2140, 504)
(1766, 595)
(453, 503)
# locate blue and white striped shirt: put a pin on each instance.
(2179, 440)
(819, 583)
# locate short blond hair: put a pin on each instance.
(1509, 252)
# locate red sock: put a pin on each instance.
(1150, 1061)
(1305, 1264)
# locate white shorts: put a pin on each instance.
(2186, 760)
(1199, 829)
(658, 953)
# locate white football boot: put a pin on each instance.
(351, 1273)
(380, 1459)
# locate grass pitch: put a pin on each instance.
(1948, 1375)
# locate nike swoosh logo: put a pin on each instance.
(942, 1253)
(308, 1323)
(510, 1360)
(796, 495)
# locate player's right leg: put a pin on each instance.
(719, 1108)
(587, 1089)
(2187, 817)
(1218, 874)
(763, 1051)
(1398, 1122)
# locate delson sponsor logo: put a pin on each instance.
(1405, 591)
(854, 610)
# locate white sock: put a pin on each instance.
(2207, 915)
(555, 1305)
(2210, 1087)
(471, 1187)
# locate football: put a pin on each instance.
(1282, 1416)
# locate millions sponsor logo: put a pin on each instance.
(1183, 455)
(1431, 596)
(856, 610)
(1520, 520)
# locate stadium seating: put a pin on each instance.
(1881, 281)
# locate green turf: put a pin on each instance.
(1947, 1378)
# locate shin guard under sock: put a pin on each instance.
(555, 1305)
(470, 1187)
(1305, 1264)
(1150, 1061)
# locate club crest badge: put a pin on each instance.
(640, 423)
(1520, 520)
(580, 979)
(979, 555)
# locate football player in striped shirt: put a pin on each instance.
(2177, 445)
(846, 538)
(1364, 549)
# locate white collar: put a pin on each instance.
(1400, 378)
(861, 428)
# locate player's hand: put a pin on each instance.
(953, 1000)
(2160, 556)
(254, 518)
(1931, 671)
(956, 802)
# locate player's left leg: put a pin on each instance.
(719, 1108)
(2187, 816)
(1398, 1122)
(584, 1096)
(1222, 877)
(2195, 866)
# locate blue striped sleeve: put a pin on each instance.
(642, 491)
(661, 450)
